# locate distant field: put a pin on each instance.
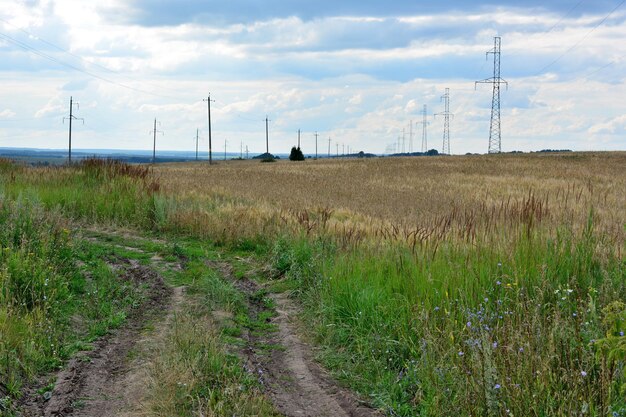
(416, 191)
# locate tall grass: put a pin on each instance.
(506, 330)
(48, 307)
(488, 298)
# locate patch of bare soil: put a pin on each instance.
(297, 385)
(100, 382)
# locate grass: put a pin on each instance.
(456, 285)
(51, 306)
(192, 372)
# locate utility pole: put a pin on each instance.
(424, 130)
(298, 138)
(337, 149)
(241, 150)
(208, 102)
(267, 136)
(495, 134)
(329, 146)
(70, 118)
(446, 122)
(316, 135)
(246, 151)
(343, 152)
(225, 142)
(154, 132)
(411, 136)
(197, 132)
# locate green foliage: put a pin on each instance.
(296, 154)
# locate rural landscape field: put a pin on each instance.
(456, 285)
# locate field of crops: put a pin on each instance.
(476, 285)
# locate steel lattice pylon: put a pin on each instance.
(495, 132)
(446, 122)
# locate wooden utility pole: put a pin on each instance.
(154, 132)
(267, 136)
(329, 146)
(208, 101)
(70, 118)
(316, 135)
(197, 131)
(298, 138)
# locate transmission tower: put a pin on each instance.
(70, 118)
(446, 122)
(425, 129)
(495, 134)
(411, 136)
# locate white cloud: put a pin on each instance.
(7, 114)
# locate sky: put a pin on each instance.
(358, 72)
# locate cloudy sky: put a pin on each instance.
(357, 71)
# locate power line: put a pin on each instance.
(41, 54)
(109, 70)
(570, 49)
(565, 16)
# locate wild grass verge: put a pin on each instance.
(56, 294)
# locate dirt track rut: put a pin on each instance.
(103, 381)
(297, 385)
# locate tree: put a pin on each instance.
(296, 154)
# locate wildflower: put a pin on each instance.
(499, 264)
(461, 353)
(498, 283)
(486, 299)
(583, 374)
(574, 314)
(494, 344)
(497, 386)
(621, 334)
(569, 291)
(436, 308)
(521, 350)
(469, 324)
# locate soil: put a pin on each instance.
(297, 385)
(99, 382)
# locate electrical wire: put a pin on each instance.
(570, 49)
(35, 51)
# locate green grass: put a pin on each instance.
(56, 293)
(469, 331)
